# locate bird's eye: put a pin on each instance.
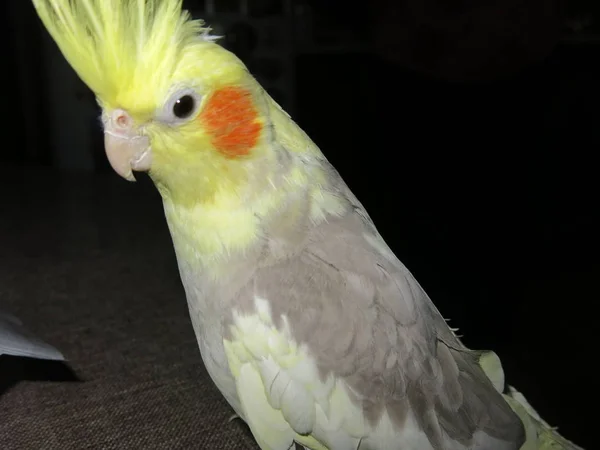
(184, 107)
(180, 107)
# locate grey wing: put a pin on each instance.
(366, 320)
(16, 340)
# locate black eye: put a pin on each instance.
(184, 107)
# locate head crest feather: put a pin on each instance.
(115, 43)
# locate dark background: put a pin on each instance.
(469, 130)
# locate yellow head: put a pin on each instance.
(174, 102)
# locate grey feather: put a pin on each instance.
(16, 340)
(366, 319)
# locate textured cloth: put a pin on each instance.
(87, 264)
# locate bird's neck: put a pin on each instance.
(214, 233)
(295, 180)
(214, 230)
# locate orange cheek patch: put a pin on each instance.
(232, 120)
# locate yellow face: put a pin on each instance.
(174, 103)
(204, 126)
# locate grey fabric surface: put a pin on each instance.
(87, 263)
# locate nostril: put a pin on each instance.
(121, 119)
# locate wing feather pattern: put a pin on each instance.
(354, 355)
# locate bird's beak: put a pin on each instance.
(127, 150)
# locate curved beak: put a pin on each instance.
(126, 149)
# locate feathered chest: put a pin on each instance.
(207, 307)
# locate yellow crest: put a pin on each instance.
(115, 44)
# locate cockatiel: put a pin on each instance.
(307, 322)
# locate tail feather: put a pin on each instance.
(539, 435)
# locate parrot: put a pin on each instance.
(308, 324)
(16, 340)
